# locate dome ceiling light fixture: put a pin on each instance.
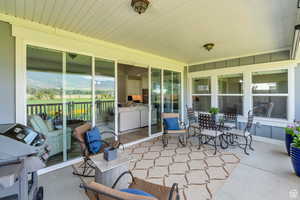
(209, 46)
(140, 6)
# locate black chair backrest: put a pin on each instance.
(207, 122)
(191, 115)
(230, 116)
(249, 121)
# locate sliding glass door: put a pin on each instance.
(65, 90)
(60, 97)
(45, 97)
(105, 94)
(78, 97)
(156, 98)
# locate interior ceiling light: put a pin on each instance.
(209, 46)
(140, 6)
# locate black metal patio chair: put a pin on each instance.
(192, 121)
(211, 131)
(235, 134)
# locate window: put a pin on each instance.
(270, 93)
(201, 97)
(230, 93)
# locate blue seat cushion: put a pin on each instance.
(137, 192)
(172, 123)
(93, 140)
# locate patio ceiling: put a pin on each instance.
(175, 29)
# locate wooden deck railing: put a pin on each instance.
(74, 110)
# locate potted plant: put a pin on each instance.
(214, 111)
(289, 135)
(295, 154)
(290, 132)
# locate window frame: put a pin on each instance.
(248, 100)
(203, 95)
(230, 94)
(271, 94)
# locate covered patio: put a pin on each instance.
(266, 173)
(227, 72)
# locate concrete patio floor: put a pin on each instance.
(265, 174)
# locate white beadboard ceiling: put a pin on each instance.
(175, 29)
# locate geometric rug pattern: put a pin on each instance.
(198, 172)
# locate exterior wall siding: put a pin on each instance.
(273, 132)
(7, 74)
(250, 60)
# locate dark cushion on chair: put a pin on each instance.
(172, 123)
(137, 192)
(93, 140)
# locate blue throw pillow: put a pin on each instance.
(93, 140)
(172, 123)
(137, 192)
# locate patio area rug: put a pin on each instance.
(198, 172)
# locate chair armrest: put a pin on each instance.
(122, 175)
(175, 190)
(110, 192)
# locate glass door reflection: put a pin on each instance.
(78, 101)
(104, 95)
(156, 106)
(45, 98)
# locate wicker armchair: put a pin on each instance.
(96, 191)
(87, 166)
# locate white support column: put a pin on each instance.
(291, 94)
(247, 105)
(214, 91)
(116, 100)
(20, 90)
(172, 91)
(64, 61)
(149, 102)
(162, 91)
(190, 91)
(182, 95)
(93, 93)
